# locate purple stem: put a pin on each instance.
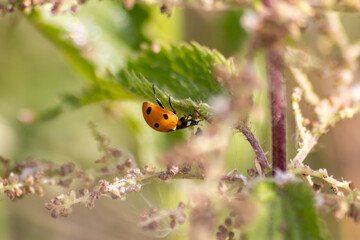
(277, 105)
(260, 155)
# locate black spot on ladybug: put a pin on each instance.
(148, 110)
(156, 125)
(166, 116)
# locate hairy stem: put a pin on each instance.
(260, 155)
(277, 105)
(322, 174)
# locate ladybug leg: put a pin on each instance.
(157, 100)
(171, 105)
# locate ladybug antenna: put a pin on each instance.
(157, 100)
(171, 105)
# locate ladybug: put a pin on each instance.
(162, 120)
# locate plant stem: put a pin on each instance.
(260, 155)
(277, 105)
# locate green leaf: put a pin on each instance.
(98, 38)
(285, 212)
(184, 71)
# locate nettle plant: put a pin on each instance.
(278, 199)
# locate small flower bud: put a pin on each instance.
(137, 188)
(67, 169)
(103, 189)
(120, 167)
(49, 205)
(128, 163)
(172, 223)
(29, 180)
(181, 218)
(64, 212)
(352, 186)
(163, 175)
(18, 192)
(185, 168)
(116, 153)
(181, 205)
(90, 204)
(83, 192)
(173, 170)
(55, 213)
(228, 222)
(31, 189)
(13, 178)
(223, 229)
(56, 201)
(38, 175)
(11, 194)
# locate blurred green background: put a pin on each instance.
(35, 73)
